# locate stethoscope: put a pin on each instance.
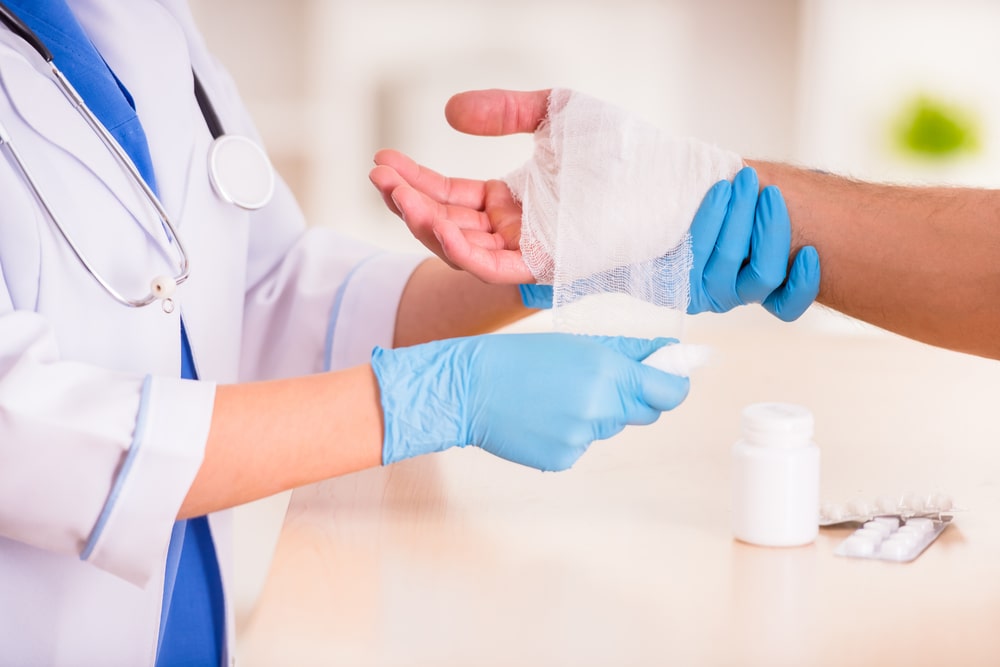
(238, 169)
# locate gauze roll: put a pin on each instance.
(607, 203)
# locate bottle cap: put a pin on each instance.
(777, 424)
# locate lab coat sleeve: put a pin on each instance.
(325, 306)
(93, 463)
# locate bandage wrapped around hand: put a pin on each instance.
(608, 201)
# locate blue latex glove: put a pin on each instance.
(741, 244)
(536, 296)
(535, 399)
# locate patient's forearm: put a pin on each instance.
(923, 262)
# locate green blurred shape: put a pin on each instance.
(933, 129)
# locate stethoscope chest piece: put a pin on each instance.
(240, 172)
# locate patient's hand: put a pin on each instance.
(473, 225)
(741, 237)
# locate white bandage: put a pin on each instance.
(608, 200)
(679, 359)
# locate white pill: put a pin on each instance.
(920, 525)
(913, 502)
(904, 536)
(880, 527)
(886, 504)
(831, 512)
(909, 533)
(892, 522)
(859, 509)
(939, 502)
(896, 549)
(859, 546)
(873, 535)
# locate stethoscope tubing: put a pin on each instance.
(229, 155)
(29, 177)
(126, 161)
(161, 287)
(21, 29)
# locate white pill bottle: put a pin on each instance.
(776, 477)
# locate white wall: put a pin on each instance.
(863, 61)
(331, 82)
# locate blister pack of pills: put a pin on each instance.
(889, 538)
(935, 506)
(893, 528)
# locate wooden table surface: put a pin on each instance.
(462, 559)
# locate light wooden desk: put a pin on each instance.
(463, 560)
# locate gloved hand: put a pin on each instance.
(535, 399)
(534, 295)
(741, 244)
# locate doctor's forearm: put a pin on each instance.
(268, 437)
(441, 302)
(923, 262)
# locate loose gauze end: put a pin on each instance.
(608, 201)
(679, 359)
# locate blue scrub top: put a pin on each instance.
(192, 624)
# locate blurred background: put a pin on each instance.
(897, 90)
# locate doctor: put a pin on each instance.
(127, 429)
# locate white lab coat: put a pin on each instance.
(99, 439)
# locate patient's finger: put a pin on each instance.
(496, 112)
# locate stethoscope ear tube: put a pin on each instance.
(207, 110)
(18, 27)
